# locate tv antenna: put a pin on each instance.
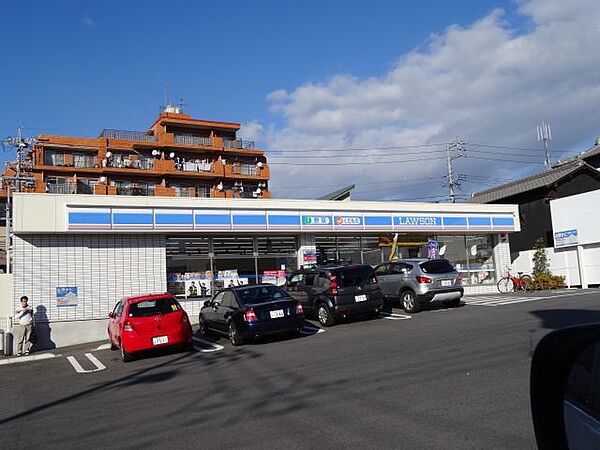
(544, 134)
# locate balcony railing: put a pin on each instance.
(190, 166)
(69, 187)
(245, 169)
(128, 135)
(135, 190)
(126, 163)
(239, 143)
(192, 140)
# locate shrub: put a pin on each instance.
(541, 266)
(546, 282)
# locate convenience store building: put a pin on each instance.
(75, 256)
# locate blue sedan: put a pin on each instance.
(248, 312)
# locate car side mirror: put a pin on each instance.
(111, 315)
(565, 399)
(207, 303)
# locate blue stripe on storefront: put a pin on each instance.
(173, 219)
(455, 221)
(284, 220)
(213, 219)
(378, 220)
(249, 219)
(480, 221)
(89, 218)
(503, 221)
(132, 219)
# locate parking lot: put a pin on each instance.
(443, 378)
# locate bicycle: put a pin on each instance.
(510, 283)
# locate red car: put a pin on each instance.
(148, 321)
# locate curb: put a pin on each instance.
(23, 359)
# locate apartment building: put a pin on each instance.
(177, 156)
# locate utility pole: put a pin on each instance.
(544, 134)
(454, 150)
(14, 184)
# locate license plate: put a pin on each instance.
(446, 282)
(360, 298)
(276, 314)
(160, 340)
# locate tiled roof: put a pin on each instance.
(532, 182)
(340, 194)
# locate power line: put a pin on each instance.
(393, 147)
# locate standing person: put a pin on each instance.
(23, 331)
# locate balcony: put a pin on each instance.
(128, 135)
(185, 139)
(239, 143)
(144, 191)
(130, 163)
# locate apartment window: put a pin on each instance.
(182, 190)
(86, 186)
(54, 158)
(83, 159)
(203, 191)
(57, 185)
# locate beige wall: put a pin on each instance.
(6, 281)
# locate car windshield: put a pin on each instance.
(436, 266)
(148, 308)
(259, 294)
(354, 276)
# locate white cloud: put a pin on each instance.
(483, 83)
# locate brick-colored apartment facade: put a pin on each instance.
(176, 156)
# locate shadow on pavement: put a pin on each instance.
(143, 376)
(554, 319)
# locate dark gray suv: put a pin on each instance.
(418, 282)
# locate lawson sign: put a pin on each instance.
(205, 219)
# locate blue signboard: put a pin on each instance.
(212, 219)
(418, 221)
(566, 238)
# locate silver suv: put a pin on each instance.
(418, 282)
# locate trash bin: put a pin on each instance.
(8, 343)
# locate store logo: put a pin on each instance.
(419, 221)
(317, 220)
(348, 220)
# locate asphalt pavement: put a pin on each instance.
(443, 378)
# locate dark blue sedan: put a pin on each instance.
(247, 312)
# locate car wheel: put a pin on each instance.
(325, 316)
(453, 303)
(234, 336)
(202, 329)
(409, 302)
(125, 356)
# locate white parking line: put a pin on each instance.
(103, 347)
(503, 300)
(310, 330)
(198, 348)
(394, 316)
(93, 360)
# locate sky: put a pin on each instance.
(337, 93)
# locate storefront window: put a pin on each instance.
(471, 255)
(371, 250)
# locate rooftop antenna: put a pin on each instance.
(544, 134)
